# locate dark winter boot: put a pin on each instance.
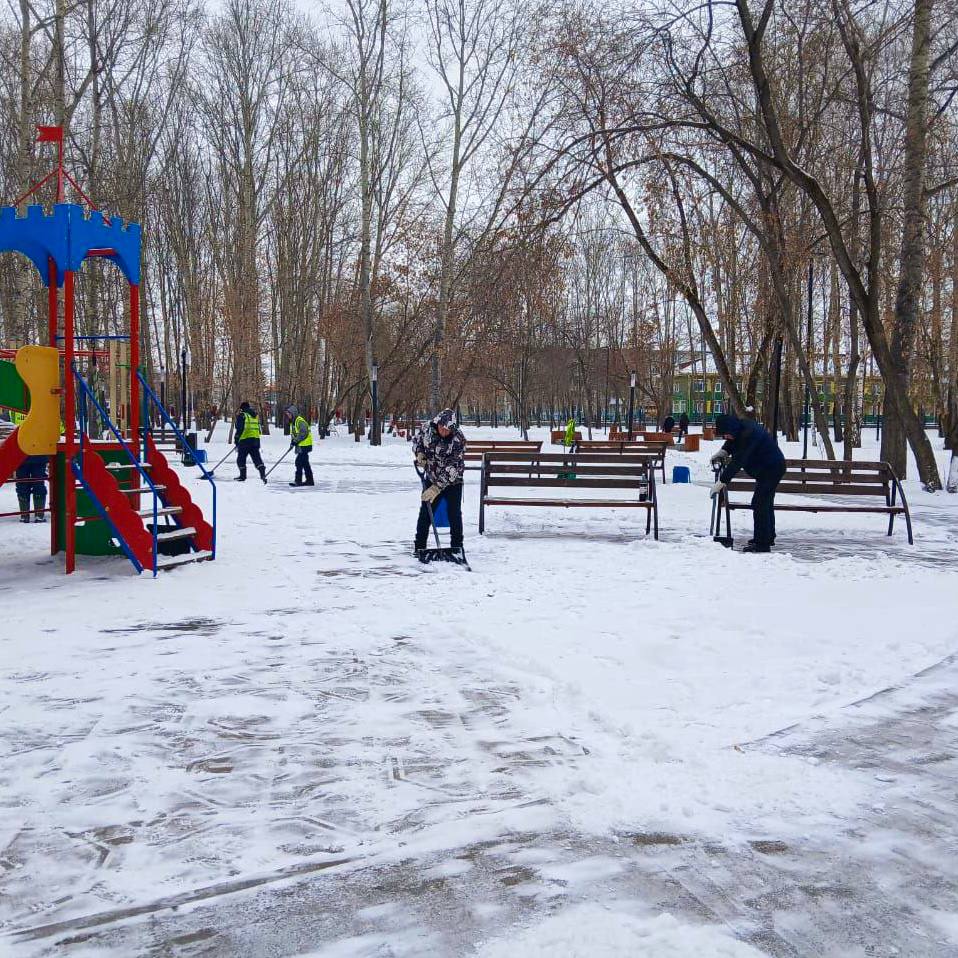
(309, 482)
(242, 475)
(39, 511)
(262, 472)
(296, 483)
(755, 547)
(24, 503)
(421, 556)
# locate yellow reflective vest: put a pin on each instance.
(301, 426)
(250, 427)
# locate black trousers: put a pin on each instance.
(248, 447)
(302, 465)
(452, 495)
(33, 467)
(763, 507)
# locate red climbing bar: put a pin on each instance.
(134, 366)
(69, 423)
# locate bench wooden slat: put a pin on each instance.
(605, 483)
(490, 445)
(898, 510)
(873, 478)
(580, 469)
(477, 448)
(611, 458)
(837, 464)
(571, 503)
(817, 489)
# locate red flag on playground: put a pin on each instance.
(50, 134)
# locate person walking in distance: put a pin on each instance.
(301, 440)
(750, 447)
(247, 432)
(683, 426)
(440, 449)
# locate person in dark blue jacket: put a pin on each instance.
(750, 447)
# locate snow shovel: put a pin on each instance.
(220, 463)
(715, 523)
(440, 553)
(278, 461)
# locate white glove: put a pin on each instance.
(720, 458)
(717, 488)
(430, 494)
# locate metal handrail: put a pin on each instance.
(207, 475)
(85, 387)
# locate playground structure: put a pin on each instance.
(107, 495)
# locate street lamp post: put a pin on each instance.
(183, 358)
(811, 358)
(374, 382)
(631, 400)
(163, 402)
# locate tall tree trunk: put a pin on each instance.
(951, 420)
(912, 261)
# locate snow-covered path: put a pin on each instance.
(315, 745)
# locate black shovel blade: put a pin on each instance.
(445, 555)
(726, 541)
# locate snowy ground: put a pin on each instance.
(594, 744)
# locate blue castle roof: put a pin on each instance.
(67, 234)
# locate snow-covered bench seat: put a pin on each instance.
(626, 479)
(840, 486)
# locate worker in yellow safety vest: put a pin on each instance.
(247, 433)
(301, 440)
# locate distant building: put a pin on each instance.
(704, 396)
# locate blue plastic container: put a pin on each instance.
(681, 474)
(200, 455)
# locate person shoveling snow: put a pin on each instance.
(750, 447)
(439, 449)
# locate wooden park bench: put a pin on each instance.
(404, 428)
(477, 448)
(545, 472)
(873, 485)
(558, 437)
(655, 448)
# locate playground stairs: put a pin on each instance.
(135, 510)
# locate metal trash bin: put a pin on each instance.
(188, 459)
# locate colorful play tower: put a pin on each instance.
(111, 487)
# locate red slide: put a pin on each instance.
(117, 505)
(176, 494)
(11, 456)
